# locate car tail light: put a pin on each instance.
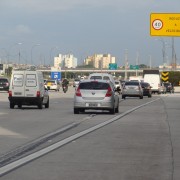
(78, 92)
(7, 84)
(38, 94)
(10, 93)
(109, 92)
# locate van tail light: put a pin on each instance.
(10, 93)
(38, 94)
(78, 92)
(109, 92)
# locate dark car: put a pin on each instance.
(169, 87)
(4, 84)
(146, 89)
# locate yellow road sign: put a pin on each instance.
(165, 76)
(165, 24)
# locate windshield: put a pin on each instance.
(94, 85)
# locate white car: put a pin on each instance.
(52, 85)
(132, 89)
(96, 95)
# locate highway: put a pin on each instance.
(140, 142)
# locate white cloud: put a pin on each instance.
(20, 29)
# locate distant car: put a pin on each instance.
(97, 95)
(169, 87)
(103, 76)
(146, 89)
(132, 89)
(52, 85)
(4, 84)
(76, 82)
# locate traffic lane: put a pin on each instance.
(135, 147)
(19, 126)
(172, 105)
(22, 126)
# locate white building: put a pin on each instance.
(68, 61)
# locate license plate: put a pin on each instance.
(93, 105)
(17, 93)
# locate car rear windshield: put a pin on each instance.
(144, 84)
(3, 80)
(94, 85)
(50, 81)
(132, 83)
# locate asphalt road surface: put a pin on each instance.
(141, 142)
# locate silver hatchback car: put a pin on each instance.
(97, 95)
(132, 89)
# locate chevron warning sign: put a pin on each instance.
(165, 76)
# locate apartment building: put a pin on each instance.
(68, 61)
(100, 61)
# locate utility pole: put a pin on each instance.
(126, 63)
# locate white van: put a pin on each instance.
(102, 76)
(155, 82)
(27, 88)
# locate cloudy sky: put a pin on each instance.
(41, 29)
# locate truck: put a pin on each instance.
(153, 78)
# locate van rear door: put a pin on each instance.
(18, 84)
(31, 84)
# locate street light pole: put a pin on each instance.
(126, 62)
(18, 52)
(31, 51)
(53, 48)
(163, 50)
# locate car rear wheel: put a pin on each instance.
(117, 108)
(123, 97)
(76, 111)
(47, 104)
(11, 105)
(112, 111)
(141, 97)
(19, 106)
(40, 105)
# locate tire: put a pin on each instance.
(141, 97)
(76, 111)
(40, 105)
(117, 109)
(19, 106)
(47, 104)
(123, 97)
(112, 111)
(149, 96)
(11, 105)
(82, 110)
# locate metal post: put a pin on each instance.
(126, 61)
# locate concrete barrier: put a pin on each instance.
(177, 89)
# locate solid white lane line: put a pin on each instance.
(20, 162)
